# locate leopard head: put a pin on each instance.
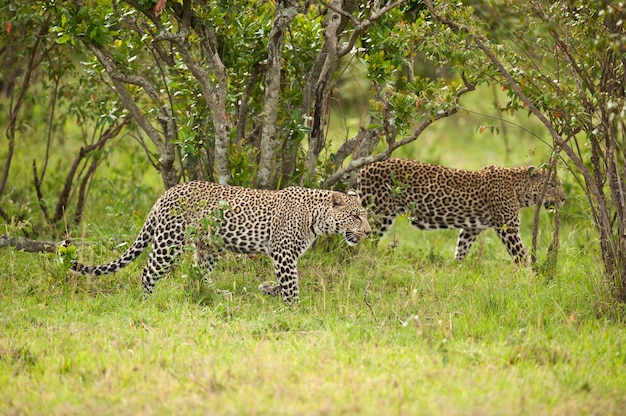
(554, 195)
(349, 216)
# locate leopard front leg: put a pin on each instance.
(286, 269)
(380, 224)
(511, 238)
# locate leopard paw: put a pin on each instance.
(270, 288)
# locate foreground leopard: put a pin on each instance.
(282, 224)
(437, 197)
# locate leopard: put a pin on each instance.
(211, 217)
(438, 197)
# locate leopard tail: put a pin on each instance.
(139, 245)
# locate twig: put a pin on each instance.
(367, 302)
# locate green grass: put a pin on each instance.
(378, 331)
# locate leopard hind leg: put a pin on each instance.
(467, 236)
(159, 264)
(164, 253)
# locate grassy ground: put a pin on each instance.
(379, 331)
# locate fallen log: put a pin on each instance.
(28, 245)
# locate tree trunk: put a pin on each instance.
(322, 89)
(285, 13)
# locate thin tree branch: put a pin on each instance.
(393, 145)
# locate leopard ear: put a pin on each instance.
(351, 192)
(337, 200)
(532, 171)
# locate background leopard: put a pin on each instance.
(437, 197)
(282, 224)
